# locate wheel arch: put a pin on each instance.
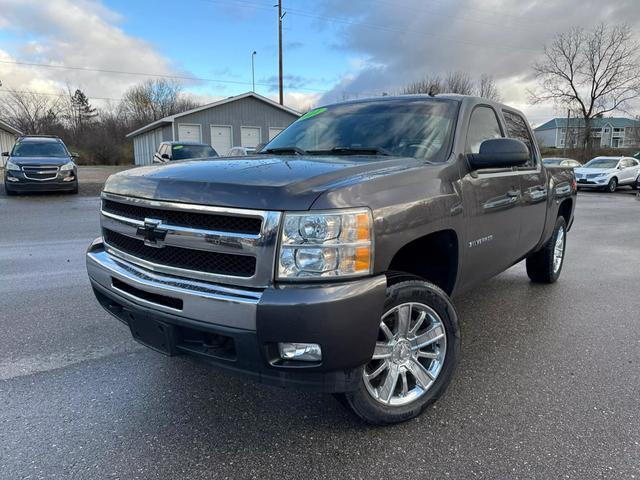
(433, 257)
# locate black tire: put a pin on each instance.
(75, 190)
(540, 264)
(637, 185)
(404, 289)
(612, 185)
(8, 191)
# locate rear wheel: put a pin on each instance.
(545, 265)
(415, 355)
(637, 185)
(612, 185)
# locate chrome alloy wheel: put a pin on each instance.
(558, 250)
(408, 356)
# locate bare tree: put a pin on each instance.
(431, 85)
(459, 82)
(487, 88)
(454, 82)
(32, 112)
(154, 99)
(593, 72)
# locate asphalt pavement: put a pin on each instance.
(548, 385)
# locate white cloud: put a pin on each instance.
(79, 33)
(396, 44)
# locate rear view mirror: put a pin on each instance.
(5, 154)
(499, 153)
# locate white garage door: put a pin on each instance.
(221, 138)
(189, 132)
(273, 132)
(250, 136)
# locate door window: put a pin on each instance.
(483, 125)
(517, 128)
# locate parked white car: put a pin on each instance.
(240, 152)
(608, 173)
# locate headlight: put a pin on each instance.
(67, 166)
(328, 244)
(12, 166)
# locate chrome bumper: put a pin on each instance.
(206, 302)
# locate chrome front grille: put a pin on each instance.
(40, 173)
(223, 245)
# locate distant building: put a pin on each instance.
(8, 136)
(245, 120)
(614, 132)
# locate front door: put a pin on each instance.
(491, 198)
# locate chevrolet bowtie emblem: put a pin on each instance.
(153, 236)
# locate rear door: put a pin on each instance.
(533, 183)
(491, 199)
(629, 171)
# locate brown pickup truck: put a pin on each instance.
(329, 260)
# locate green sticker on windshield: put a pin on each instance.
(313, 113)
(178, 147)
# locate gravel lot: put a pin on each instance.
(547, 387)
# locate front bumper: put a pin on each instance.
(239, 329)
(18, 182)
(592, 183)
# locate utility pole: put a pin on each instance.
(253, 71)
(280, 51)
(566, 132)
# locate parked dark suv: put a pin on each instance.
(169, 151)
(40, 163)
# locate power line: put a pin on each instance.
(148, 74)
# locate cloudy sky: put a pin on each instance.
(334, 49)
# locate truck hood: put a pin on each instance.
(260, 182)
(49, 161)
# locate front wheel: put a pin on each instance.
(545, 265)
(415, 355)
(612, 185)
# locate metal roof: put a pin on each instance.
(615, 122)
(5, 126)
(171, 118)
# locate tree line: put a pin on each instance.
(96, 133)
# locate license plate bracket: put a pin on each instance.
(152, 333)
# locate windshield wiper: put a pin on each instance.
(353, 151)
(292, 150)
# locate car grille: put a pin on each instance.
(225, 245)
(198, 260)
(205, 221)
(35, 172)
(592, 175)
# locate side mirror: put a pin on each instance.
(75, 155)
(5, 154)
(165, 156)
(499, 153)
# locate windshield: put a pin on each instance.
(39, 149)
(552, 161)
(602, 163)
(183, 152)
(419, 128)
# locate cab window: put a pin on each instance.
(517, 128)
(483, 125)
